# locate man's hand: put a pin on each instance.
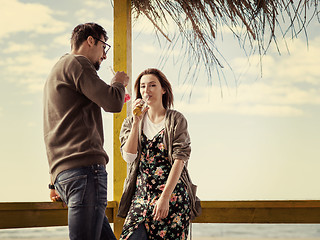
(120, 77)
(54, 196)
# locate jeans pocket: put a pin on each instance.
(74, 189)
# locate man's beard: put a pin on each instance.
(96, 65)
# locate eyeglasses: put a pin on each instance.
(106, 47)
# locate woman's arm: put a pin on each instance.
(161, 208)
(131, 144)
(180, 153)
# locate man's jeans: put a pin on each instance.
(84, 190)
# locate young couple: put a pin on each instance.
(156, 199)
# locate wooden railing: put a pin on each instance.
(260, 212)
(45, 214)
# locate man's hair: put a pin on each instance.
(81, 32)
(167, 97)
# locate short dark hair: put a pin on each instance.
(167, 97)
(81, 32)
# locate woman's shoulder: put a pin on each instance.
(174, 114)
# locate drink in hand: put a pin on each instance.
(140, 107)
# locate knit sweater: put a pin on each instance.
(73, 130)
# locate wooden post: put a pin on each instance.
(122, 62)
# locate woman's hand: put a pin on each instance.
(161, 209)
(138, 118)
(131, 145)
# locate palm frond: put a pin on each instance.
(199, 21)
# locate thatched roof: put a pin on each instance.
(199, 21)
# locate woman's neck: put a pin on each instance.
(156, 115)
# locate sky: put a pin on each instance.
(254, 134)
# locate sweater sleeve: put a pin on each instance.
(129, 157)
(181, 148)
(108, 97)
(124, 132)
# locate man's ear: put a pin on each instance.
(90, 41)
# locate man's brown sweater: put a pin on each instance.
(73, 130)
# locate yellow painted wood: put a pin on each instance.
(122, 62)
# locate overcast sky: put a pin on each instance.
(260, 140)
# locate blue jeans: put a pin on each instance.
(140, 233)
(84, 190)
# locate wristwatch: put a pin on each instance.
(51, 186)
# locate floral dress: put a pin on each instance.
(154, 169)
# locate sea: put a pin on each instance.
(243, 231)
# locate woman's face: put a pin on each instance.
(150, 88)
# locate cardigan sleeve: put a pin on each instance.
(181, 146)
(124, 132)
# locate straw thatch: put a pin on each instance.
(256, 23)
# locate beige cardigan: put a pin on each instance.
(176, 141)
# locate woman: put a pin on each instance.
(156, 200)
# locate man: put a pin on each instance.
(73, 132)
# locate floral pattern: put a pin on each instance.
(153, 173)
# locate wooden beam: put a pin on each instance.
(39, 214)
(46, 214)
(122, 62)
(260, 212)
